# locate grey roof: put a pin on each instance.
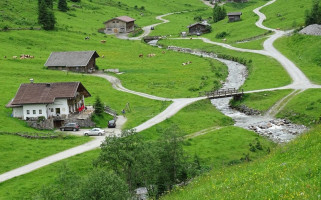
(234, 13)
(70, 58)
(203, 23)
(122, 18)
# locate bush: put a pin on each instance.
(222, 35)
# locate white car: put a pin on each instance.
(95, 131)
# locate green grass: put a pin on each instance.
(195, 117)
(258, 70)
(225, 146)
(40, 44)
(17, 151)
(261, 101)
(17, 14)
(305, 108)
(252, 44)
(307, 59)
(102, 121)
(26, 186)
(286, 14)
(237, 31)
(291, 171)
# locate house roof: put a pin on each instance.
(41, 93)
(234, 13)
(204, 23)
(122, 18)
(70, 58)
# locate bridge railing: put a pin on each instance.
(221, 93)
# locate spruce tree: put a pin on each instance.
(62, 5)
(99, 107)
(46, 15)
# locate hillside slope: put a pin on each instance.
(292, 171)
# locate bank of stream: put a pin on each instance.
(278, 130)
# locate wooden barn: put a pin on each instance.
(234, 16)
(75, 61)
(123, 24)
(199, 28)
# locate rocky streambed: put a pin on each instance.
(278, 130)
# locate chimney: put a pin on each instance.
(31, 80)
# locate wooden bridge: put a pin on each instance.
(150, 38)
(215, 94)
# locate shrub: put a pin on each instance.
(222, 35)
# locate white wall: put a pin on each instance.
(17, 112)
(59, 103)
(36, 107)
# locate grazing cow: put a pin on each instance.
(87, 38)
(102, 56)
(141, 55)
(103, 41)
(14, 57)
(31, 57)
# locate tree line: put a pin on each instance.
(46, 16)
(127, 163)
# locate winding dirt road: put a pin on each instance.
(300, 81)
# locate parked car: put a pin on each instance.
(95, 131)
(112, 123)
(70, 127)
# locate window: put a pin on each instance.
(51, 109)
(34, 112)
(28, 112)
(40, 111)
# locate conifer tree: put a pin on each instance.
(62, 5)
(46, 15)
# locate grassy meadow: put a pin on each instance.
(195, 117)
(226, 146)
(27, 186)
(258, 68)
(287, 171)
(287, 14)
(94, 13)
(290, 171)
(141, 74)
(261, 101)
(304, 108)
(307, 59)
(17, 151)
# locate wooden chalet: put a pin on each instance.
(75, 61)
(122, 24)
(234, 16)
(199, 28)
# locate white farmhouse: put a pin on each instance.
(60, 99)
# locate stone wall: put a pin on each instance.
(41, 125)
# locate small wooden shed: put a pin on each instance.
(198, 28)
(76, 61)
(122, 24)
(234, 16)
